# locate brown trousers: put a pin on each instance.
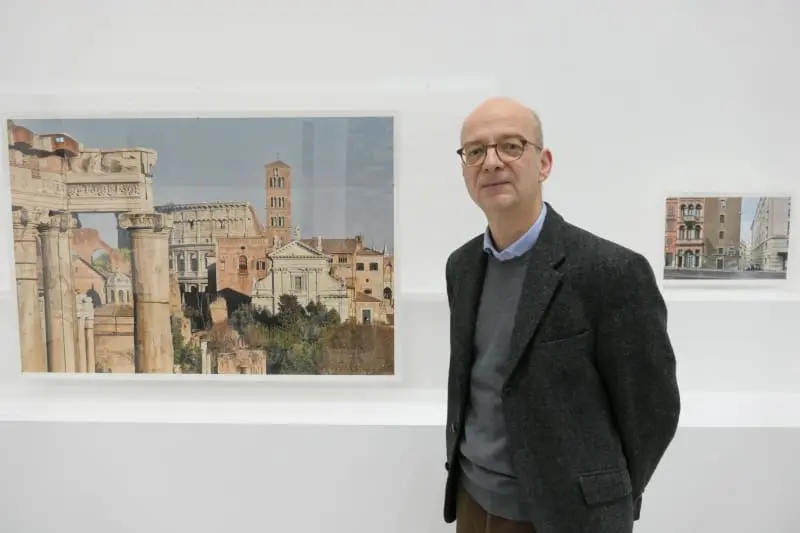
(472, 518)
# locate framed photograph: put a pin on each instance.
(200, 246)
(727, 240)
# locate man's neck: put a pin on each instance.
(507, 228)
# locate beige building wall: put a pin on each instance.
(770, 234)
(723, 223)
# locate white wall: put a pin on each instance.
(638, 100)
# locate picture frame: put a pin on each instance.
(716, 262)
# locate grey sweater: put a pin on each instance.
(484, 456)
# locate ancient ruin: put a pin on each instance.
(53, 178)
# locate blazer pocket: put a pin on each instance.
(606, 486)
(564, 339)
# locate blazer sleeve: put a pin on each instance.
(637, 363)
(448, 278)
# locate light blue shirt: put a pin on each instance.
(521, 245)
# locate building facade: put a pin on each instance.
(690, 239)
(196, 230)
(723, 233)
(769, 248)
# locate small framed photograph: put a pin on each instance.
(727, 240)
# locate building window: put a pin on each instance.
(373, 267)
(366, 316)
(222, 264)
(342, 259)
(298, 283)
(722, 219)
(242, 264)
(261, 265)
(721, 234)
(723, 203)
(367, 291)
(360, 266)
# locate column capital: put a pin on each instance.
(152, 221)
(61, 221)
(23, 216)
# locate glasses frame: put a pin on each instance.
(525, 143)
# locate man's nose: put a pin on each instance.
(492, 161)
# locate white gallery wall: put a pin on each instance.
(638, 101)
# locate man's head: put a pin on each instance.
(504, 162)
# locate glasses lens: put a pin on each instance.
(510, 150)
(473, 154)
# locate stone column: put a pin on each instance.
(31, 338)
(152, 334)
(59, 295)
(89, 332)
(80, 319)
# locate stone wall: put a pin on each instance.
(242, 362)
(113, 334)
(85, 241)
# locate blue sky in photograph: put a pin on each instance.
(342, 167)
(749, 205)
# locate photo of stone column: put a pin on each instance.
(204, 246)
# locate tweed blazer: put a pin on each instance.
(591, 402)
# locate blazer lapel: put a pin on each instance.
(471, 270)
(540, 285)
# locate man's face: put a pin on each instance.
(510, 174)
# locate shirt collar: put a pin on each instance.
(521, 245)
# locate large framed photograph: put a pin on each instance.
(259, 245)
(742, 240)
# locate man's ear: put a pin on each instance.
(546, 163)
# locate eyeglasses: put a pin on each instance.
(474, 154)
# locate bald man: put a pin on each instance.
(562, 392)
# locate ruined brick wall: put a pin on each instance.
(85, 241)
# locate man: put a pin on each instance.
(562, 392)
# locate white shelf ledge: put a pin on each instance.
(700, 410)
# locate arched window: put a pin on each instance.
(242, 264)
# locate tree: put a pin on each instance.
(187, 357)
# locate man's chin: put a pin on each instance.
(499, 201)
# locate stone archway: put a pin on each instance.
(53, 178)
